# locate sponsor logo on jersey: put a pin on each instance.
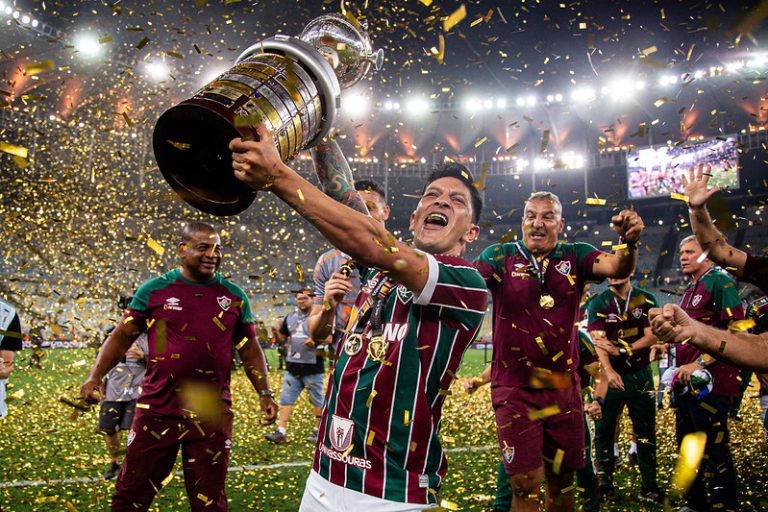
(227, 444)
(395, 332)
(404, 294)
(341, 433)
(520, 271)
(637, 312)
(173, 304)
(696, 299)
(564, 267)
(224, 302)
(345, 458)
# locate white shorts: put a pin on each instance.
(320, 495)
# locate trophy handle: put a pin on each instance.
(377, 59)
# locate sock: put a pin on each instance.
(281, 430)
(633, 447)
(615, 449)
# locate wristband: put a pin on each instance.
(701, 362)
(622, 352)
(600, 400)
(267, 392)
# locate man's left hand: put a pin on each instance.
(268, 410)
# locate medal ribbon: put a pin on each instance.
(539, 268)
(373, 308)
(624, 310)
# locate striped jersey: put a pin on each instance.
(379, 430)
(528, 339)
(623, 320)
(713, 299)
(192, 328)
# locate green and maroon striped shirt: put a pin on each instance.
(379, 430)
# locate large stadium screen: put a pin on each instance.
(656, 172)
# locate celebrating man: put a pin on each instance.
(194, 318)
(537, 286)
(417, 312)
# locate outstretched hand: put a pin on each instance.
(671, 324)
(628, 225)
(696, 184)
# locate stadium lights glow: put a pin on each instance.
(520, 101)
(472, 105)
(156, 70)
(87, 45)
(35, 23)
(487, 104)
(668, 80)
(355, 104)
(25, 19)
(16, 15)
(501, 103)
(621, 89)
(416, 105)
(734, 66)
(583, 95)
(8, 9)
(554, 98)
(391, 105)
(699, 73)
(530, 101)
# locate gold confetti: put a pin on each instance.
(14, 150)
(546, 412)
(39, 67)
(452, 20)
(678, 197)
(691, 453)
(155, 246)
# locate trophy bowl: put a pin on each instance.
(291, 85)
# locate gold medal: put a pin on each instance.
(353, 344)
(377, 348)
(546, 301)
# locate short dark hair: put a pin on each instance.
(458, 171)
(371, 186)
(190, 228)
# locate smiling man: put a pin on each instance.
(194, 318)
(537, 286)
(418, 310)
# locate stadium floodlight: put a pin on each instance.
(530, 101)
(559, 98)
(355, 104)
(16, 15)
(757, 61)
(472, 105)
(35, 23)
(520, 101)
(699, 73)
(25, 19)
(619, 90)
(87, 45)
(416, 105)
(488, 104)
(734, 66)
(540, 164)
(550, 98)
(501, 103)
(156, 70)
(583, 95)
(668, 80)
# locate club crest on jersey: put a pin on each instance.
(173, 304)
(224, 302)
(564, 267)
(508, 452)
(341, 433)
(637, 312)
(369, 285)
(404, 294)
(131, 437)
(696, 299)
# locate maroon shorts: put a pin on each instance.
(526, 439)
(151, 449)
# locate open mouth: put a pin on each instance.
(436, 219)
(538, 236)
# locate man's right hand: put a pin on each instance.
(696, 186)
(336, 288)
(671, 324)
(92, 391)
(472, 385)
(614, 379)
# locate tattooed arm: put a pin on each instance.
(709, 237)
(335, 175)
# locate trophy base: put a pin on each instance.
(191, 145)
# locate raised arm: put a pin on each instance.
(709, 237)
(258, 164)
(335, 175)
(621, 263)
(748, 351)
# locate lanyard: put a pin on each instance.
(373, 308)
(695, 287)
(626, 304)
(539, 268)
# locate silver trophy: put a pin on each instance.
(291, 85)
